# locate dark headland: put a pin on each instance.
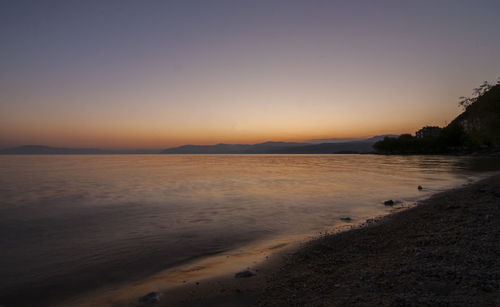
(475, 130)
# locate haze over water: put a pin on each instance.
(76, 222)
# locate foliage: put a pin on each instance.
(465, 102)
(477, 128)
(451, 139)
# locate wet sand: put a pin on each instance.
(207, 282)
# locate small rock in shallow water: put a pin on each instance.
(244, 274)
(345, 219)
(151, 297)
(389, 202)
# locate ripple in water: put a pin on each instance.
(74, 222)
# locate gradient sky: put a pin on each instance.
(154, 74)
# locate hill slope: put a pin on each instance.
(481, 120)
(477, 129)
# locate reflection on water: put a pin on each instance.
(73, 221)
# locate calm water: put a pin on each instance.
(73, 222)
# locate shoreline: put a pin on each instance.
(444, 251)
(281, 268)
(208, 281)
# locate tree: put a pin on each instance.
(465, 102)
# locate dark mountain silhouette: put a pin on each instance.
(266, 147)
(333, 140)
(347, 140)
(358, 146)
(325, 148)
(380, 137)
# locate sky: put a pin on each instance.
(156, 74)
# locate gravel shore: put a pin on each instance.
(443, 252)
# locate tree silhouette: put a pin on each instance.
(465, 102)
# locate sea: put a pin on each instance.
(72, 223)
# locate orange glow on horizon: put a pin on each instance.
(150, 138)
(157, 76)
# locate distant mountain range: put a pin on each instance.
(353, 146)
(308, 147)
(333, 140)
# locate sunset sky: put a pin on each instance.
(155, 74)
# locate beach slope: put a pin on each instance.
(445, 251)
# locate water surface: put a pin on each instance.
(70, 223)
